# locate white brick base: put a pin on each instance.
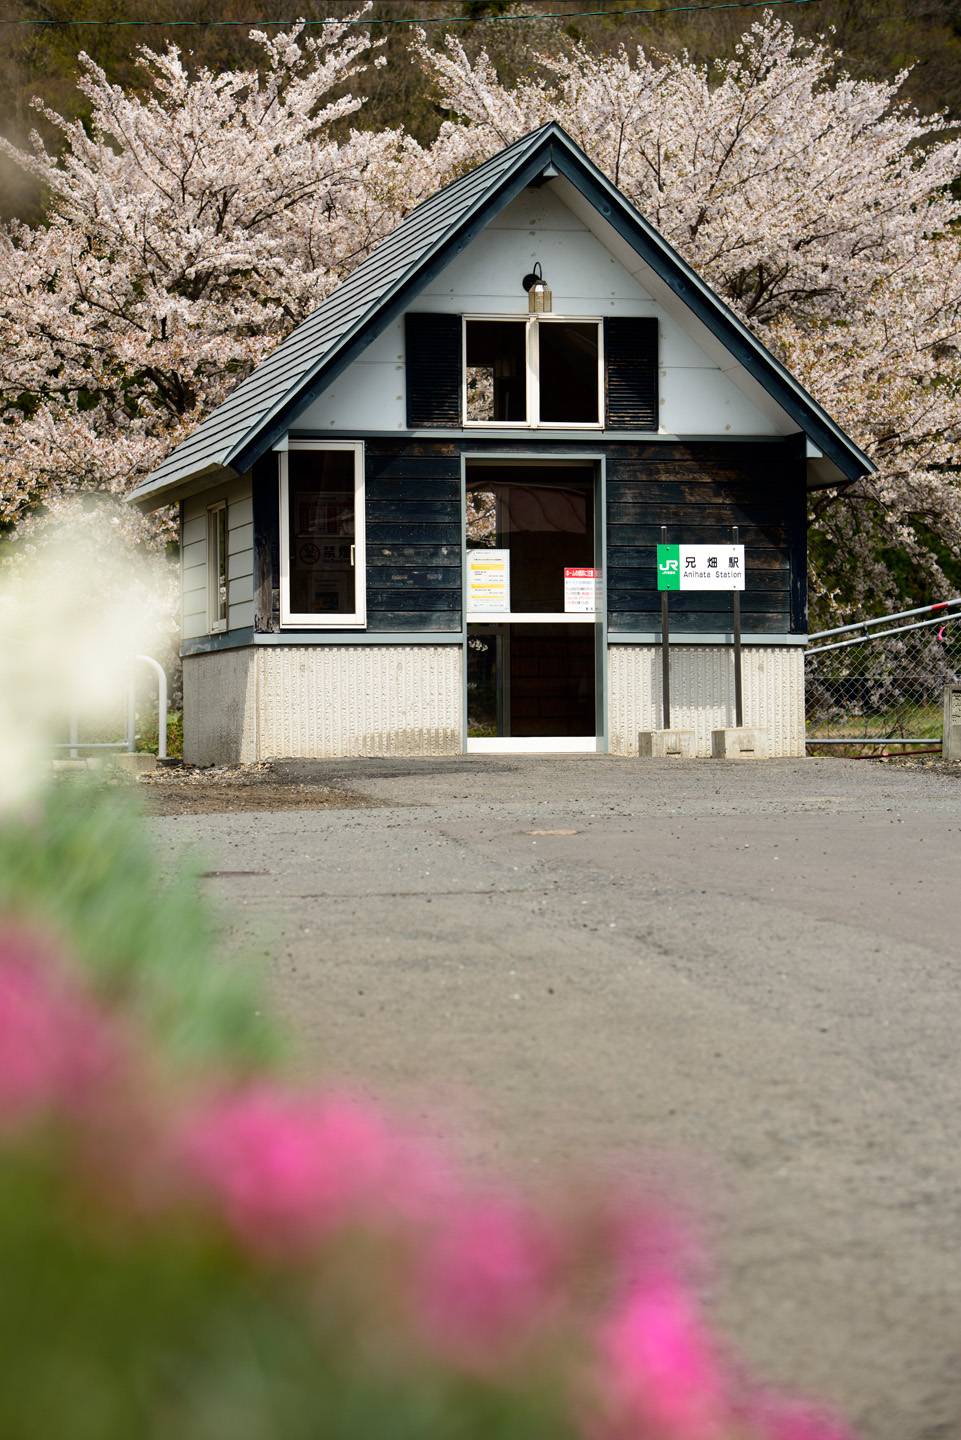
(315, 701)
(702, 693)
(325, 701)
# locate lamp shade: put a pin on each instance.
(539, 298)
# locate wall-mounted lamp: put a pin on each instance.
(539, 296)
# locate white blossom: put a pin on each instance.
(189, 228)
(820, 208)
(193, 223)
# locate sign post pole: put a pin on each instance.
(736, 613)
(665, 650)
(708, 568)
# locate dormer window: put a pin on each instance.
(524, 371)
(540, 370)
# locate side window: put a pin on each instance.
(322, 580)
(217, 579)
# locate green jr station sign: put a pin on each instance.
(700, 567)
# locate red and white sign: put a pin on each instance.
(580, 589)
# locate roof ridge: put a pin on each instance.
(497, 155)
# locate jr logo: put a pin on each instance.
(668, 567)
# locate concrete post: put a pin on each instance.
(739, 742)
(951, 746)
(659, 744)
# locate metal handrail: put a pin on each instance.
(881, 634)
(129, 741)
(161, 674)
(870, 740)
(883, 619)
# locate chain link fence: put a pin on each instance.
(881, 683)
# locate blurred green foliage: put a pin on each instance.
(81, 863)
(147, 739)
(112, 1329)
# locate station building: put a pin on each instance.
(427, 522)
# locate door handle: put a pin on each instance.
(353, 555)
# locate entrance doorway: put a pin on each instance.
(533, 607)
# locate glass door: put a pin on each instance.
(532, 587)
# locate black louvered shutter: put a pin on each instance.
(433, 349)
(630, 359)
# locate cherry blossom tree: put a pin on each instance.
(190, 226)
(192, 223)
(820, 207)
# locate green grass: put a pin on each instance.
(920, 721)
(147, 738)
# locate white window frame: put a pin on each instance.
(356, 619)
(532, 325)
(216, 625)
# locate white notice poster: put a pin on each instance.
(580, 589)
(489, 581)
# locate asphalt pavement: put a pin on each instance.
(742, 976)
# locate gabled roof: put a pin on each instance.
(257, 414)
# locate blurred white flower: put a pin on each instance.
(76, 605)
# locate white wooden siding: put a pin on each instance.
(240, 562)
(698, 395)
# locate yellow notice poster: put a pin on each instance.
(489, 581)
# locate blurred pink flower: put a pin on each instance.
(664, 1378)
(773, 1417)
(286, 1167)
(54, 1044)
(486, 1274)
(646, 1235)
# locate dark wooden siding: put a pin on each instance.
(413, 536)
(699, 491)
(266, 507)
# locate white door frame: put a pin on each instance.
(547, 744)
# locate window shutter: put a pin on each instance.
(434, 361)
(630, 357)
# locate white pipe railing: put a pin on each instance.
(129, 742)
(881, 634)
(161, 675)
(884, 619)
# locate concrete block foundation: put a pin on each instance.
(300, 701)
(738, 742)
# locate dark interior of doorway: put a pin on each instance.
(530, 680)
(542, 514)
